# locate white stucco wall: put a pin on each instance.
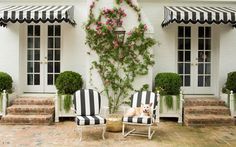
(227, 59)
(165, 53)
(9, 53)
(74, 50)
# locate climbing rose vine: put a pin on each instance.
(119, 64)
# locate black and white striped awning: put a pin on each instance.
(36, 14)
(201, 15)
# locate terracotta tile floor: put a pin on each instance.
(169, 134)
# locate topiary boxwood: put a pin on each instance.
(231, 81)
(168, 83)
(68, 82)
(5, 82)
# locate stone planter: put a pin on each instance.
(114, 122)
(1, 102)
(174, 111)
(60, 111)
(225, 97)
(6, 103)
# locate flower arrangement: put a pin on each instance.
(119, 63)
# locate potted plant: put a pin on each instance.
(168, 85)
(67, 83)
(229, 86)
(5, 84)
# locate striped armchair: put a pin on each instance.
(87, 104)
(145, 97)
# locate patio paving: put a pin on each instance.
(168, 134)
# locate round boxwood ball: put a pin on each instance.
(68, 82)
(168, 83)
(5, 82)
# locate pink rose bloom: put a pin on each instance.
(145, 27)
(98, 28)
(130, 33)
(115, 43)
(109, 28)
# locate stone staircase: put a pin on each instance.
(206, 112)
(30, 111)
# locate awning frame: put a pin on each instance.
(44, 14)
(202, 15)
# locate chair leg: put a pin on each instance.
(80, 133)
(123, 129)
(150, 133)
(103, 132)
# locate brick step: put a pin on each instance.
(30, 109)
(208, 120)
(216, 110)
(27, 119)
(33, 101)
(203, 102)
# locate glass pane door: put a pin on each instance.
(33, 55)
(194, 59)
(53, 53)
(184, 55)
(204, 57)
(43, 56)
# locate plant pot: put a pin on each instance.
(224, 97)
(114, 123)
(169, 109)
(10, 98)
(61, 106)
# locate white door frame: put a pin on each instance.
(43, 87)
(194, 89)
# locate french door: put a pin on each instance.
(195, 59)
(43, 57)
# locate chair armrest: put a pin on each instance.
(155, 115)
(125, 109)
(73, 109)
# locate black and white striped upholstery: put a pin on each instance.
(145, 97)
(36, 14)
(198, 14)
(136, 119)
(87, 103)
(90, 120)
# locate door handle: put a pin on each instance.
(44, 62)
